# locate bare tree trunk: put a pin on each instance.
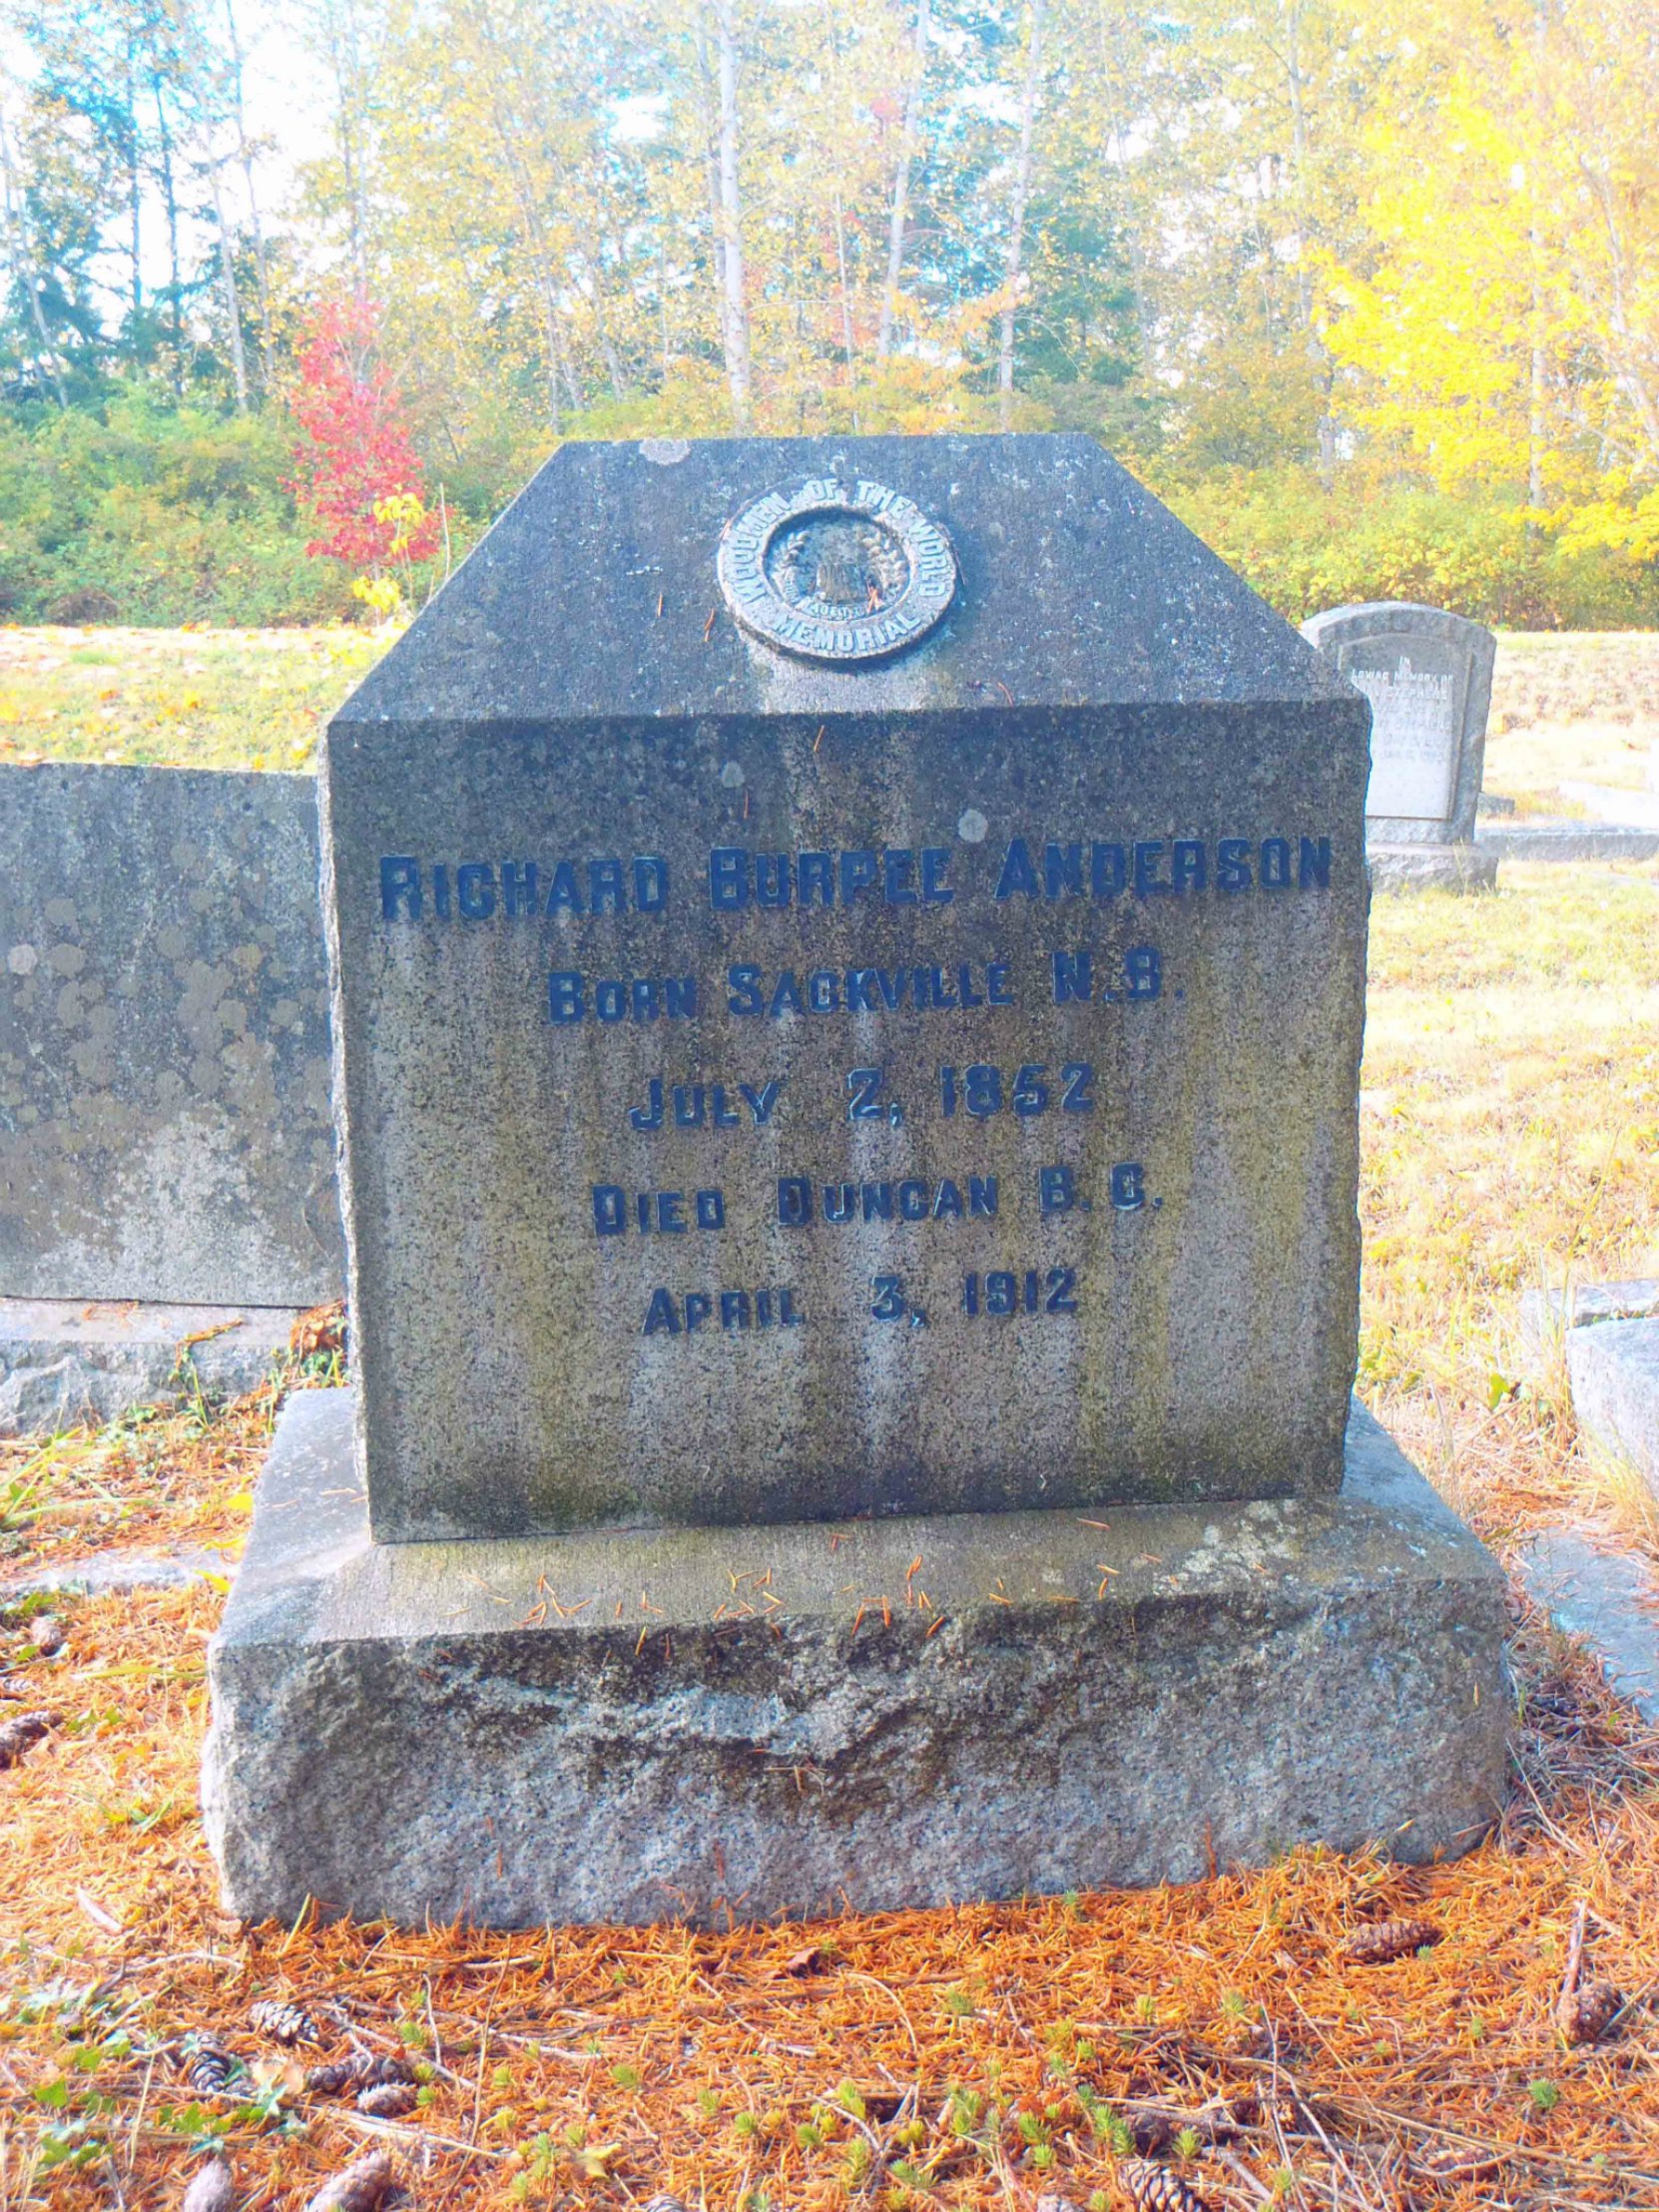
(169, 199)
(1013, 268)
(662, 303)
(1318, 360)
(134, 194)
(17, 252)
(846, 294)
(340, 26)
(899, 217)
(227, 281)
(245, 159)
(734, 304)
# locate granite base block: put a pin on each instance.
(1614, 1370)
(1432, 867)
(789, 1720)
(63, 1360)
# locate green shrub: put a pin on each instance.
(1307, 545)
(149, 514)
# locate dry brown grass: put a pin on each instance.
(1572, 708)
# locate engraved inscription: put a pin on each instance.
(1413, 739)
(949, 1148)
(839, 573)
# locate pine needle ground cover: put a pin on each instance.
(1327, 2034)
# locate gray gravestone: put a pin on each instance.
(849, 968)
(164, 1129)
(1429, 676)
(917, 1084)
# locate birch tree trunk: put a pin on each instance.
(245, 158)
(735, 307)
(899, 214)
(170, 201)
(1014, 266)
(228, 284)
(17, 252)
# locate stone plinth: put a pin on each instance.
(1432, 867)
(789, 1719)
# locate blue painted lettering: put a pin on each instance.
(400, 890)
(1233, 864)
(1017, 873)
(1314, 863)
(1073, 977)
(1187, 870)
(519, 887)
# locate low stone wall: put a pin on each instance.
(165, 1122)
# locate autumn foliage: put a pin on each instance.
(358, 471)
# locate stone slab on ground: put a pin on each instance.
(1432, 867)
(1566, 841)
(165, 1122)
(1608, 1598)
(1637, 809)
(1546, 1316)
(63, 1360)
(790, 1719)
(1614, 1370)
(103, 1571)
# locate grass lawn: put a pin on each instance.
(978, 2057)
(176, 698)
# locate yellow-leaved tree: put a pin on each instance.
(1500, 320)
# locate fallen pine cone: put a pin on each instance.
(800, 1964)
(208, 2066)
(1586, 2015)
(362, 2070)
(1155, 2127)
(358, 2187)
(320, 1330)
(1155, 2189)
(283, 2023)
(213, 2189)
(387, 2100)
(17, 1734)
(1385, 1941)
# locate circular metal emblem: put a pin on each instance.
(837, 572)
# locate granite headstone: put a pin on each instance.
(164, 1125)
(1429, 676)
(849, 969)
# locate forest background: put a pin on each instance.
(298, 293)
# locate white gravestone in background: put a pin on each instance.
(1414, 739)
(1429, 676)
